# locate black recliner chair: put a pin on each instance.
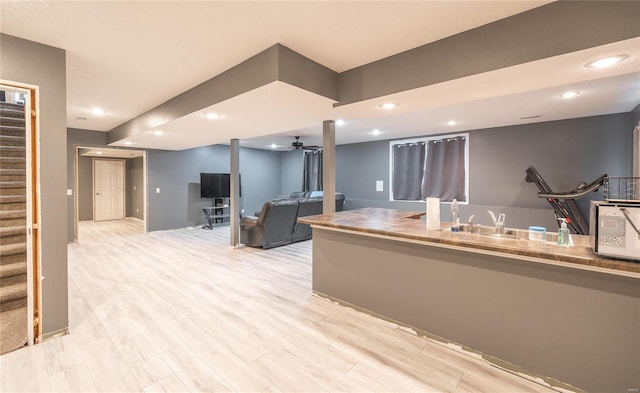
(310, 207)
(273, 227)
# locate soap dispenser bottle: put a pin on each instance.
(563, 232)
(455, 216)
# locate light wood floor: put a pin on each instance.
(183, 311)
(93, 231)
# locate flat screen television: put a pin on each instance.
(216, 185)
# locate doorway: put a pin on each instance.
(20, 304)
(110, 193)
(108, 189)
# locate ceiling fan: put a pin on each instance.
(300, 146)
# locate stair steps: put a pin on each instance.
(12, 163)
(13, 228)
(13, 293)
(13, 151)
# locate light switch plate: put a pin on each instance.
(69, 191)
(379, 185)
(158, 190)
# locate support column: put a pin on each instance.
(328, 167)
(234, 201)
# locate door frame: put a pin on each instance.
(34, 244)
(76, 186)
(124, 183)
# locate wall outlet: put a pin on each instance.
(134, 188)
(69, 192)
(158, 190)
(379, 185)
(242, 211)
(137, 210)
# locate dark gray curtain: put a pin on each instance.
(408, 170)
(312, 172)
(444, 175)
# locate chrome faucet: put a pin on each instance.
(471, 225)
(499, 223)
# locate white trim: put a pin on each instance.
(426, 139)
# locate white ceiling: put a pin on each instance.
(128, 57)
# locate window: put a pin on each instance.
(430, 167)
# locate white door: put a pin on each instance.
(108, 190)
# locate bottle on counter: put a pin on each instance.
(455, 216)
(563, 233)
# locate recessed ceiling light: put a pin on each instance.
(98, 152)
(452, 123)
(606, 61)
(128, 143)
(273, 145)
(212, 116)
(569, 94)
(97, 111)
(388, 106)
(375, 132)
(157, 133)
(340, 122)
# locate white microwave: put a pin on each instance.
(614, 230)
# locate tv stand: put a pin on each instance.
(218, 214)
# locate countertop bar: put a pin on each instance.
(407, 225)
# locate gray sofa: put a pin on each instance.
(277, 225)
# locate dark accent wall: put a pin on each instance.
(635, 115)
(135, 188)
(565, 152)
(177, 174)
(44, 66)
(291, 163)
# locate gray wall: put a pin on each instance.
(177, 174)
(135, 188)
(45, 67)
(78, 137)
(85, 189)
(291, 164)
(565, 153)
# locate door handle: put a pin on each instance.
(97, 193)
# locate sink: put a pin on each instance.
(507, 233)
(491, 231)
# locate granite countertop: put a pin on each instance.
(408, 225)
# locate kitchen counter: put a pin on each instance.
(409, 226)
(559, 313)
